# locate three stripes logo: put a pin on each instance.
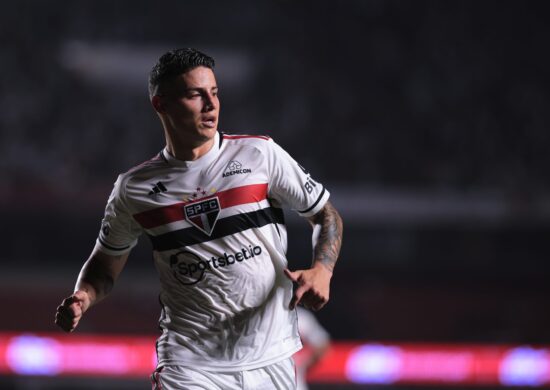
(157, 189)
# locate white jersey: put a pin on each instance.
(219, 245)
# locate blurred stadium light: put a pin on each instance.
(345, 362)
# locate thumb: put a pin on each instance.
(291, 275)
(81, 298)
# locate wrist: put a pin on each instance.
(322, 267)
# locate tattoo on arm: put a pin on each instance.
(99, 277)
(327, 236)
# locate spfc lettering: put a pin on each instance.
(203, 214)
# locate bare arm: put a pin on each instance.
(95, 281)
(314, 283)
(327, 236)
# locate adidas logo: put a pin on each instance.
(235, 168)
(158, 188)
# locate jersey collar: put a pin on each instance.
(200, 162)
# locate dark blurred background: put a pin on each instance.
(427, 120)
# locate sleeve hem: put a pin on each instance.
(318, 205)
(109, 250)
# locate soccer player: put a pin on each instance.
(211, 205)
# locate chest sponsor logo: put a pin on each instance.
(234, 167)
(203, 214)
(188, 268)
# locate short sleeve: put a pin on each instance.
(119, 231)
(291, 185)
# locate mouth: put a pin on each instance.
(209, 121)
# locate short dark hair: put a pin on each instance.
(176, 62)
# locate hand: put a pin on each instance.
(313, 287)
(71, 310)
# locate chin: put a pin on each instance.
(208, 132)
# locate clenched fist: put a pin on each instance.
(71, 310)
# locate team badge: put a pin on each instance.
(203, 214)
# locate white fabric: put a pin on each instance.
(223, 291)
(278, 376)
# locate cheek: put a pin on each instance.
(182, 111)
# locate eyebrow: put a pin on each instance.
(198, 89)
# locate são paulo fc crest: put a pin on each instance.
(203, 214)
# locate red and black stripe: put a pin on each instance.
(224, 227)
(252, 193)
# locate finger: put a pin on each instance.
(68, 301)
(80, 296)
(308, 299)
(63, 318)
(291, 275)
(77, 298)
(67, 319)
(297, 297)
(318, 302)
(63, 323)
(68, 325)
(73, 310)
(64, 315)
(318, 306)
(67, 316)
(314, 300)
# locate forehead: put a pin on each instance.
(200, 77)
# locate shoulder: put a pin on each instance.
(259, 141)
(250, 142)
(145, 168)
(245, 137)
(141, 172)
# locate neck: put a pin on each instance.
(188, 152)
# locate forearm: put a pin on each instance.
(95, 281)
(314, 283)
(97, 277)
(327, 237)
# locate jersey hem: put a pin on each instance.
(212, 367)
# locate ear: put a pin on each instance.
(157, 103)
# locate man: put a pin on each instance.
(210, 203)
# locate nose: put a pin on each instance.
(209, 103)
